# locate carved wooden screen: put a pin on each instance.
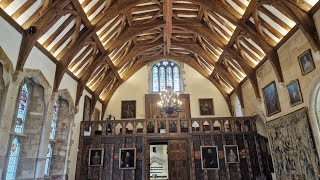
(178, 160)
(153, 111)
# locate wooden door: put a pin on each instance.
(178, 160)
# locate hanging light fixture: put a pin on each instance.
(169, 101)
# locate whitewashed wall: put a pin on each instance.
(195, 84)
(10, 41)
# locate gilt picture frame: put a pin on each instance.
(231, 154)
(271, 99)
(306, 62)
(294, 93)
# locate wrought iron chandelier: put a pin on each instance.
(169, 101)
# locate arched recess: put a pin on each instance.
(60, 135)
(6, 70)
(30, 139)
(314, 111)
(237, 107)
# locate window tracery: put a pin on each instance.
(165, 73)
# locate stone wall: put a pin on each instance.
(288, 55)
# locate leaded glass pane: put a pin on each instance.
(165, 73)
(155, 79)
(162, 75)
(54, 120)
(176, 78)
(22, 111)
(48, 160)
(169, 76)
(13, 159)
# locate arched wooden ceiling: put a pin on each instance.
(104, 42)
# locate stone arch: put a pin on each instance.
(260, 122)
(61, 143)
(313, 97)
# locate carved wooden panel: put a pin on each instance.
(178, 160)
(153, 111)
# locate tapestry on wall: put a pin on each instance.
(292, 146)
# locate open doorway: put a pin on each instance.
(159, 161)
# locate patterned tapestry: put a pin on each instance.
(292, 146)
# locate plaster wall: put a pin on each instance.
(195, 84)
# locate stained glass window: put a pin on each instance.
(162, 75)
(13, 159)
(176, 78)
(22, 111)
(169, 76)
(155, 79)
(48, 160)
(165, 73)
(54, 120)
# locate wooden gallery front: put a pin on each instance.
(197, 148)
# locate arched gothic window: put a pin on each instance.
(48, 160)
(237, 107)
(13, 159)
(22, 109)
(52, 137)
(165, 73)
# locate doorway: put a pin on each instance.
(159, 161)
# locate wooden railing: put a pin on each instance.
(168, 126)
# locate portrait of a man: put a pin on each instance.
(128, 109)
(271, 99)
(231, 153)
(209, 157)
(295, 95)
(96, 156)
(206, 106)
(306, 62)
(127, 158)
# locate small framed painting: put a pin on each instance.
(271, 99)
(128, 109)
(206, 106)
(96, 157)
(127, 158)
(209, 157)
(294, 91)
(306, 62)
(231, 153)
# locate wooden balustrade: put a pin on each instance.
(168, 126)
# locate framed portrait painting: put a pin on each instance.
(231, 153)
(209, 157)
(206, 106)
(306, 62)
(127, 158)
(128, 109)
(271, 99)
(294, 91)
(96, 157)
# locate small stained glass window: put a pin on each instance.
(22, 109)
(54, 120)
(13, 159)
(165, 73)
(48, 160)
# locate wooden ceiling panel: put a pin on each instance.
(104, 42)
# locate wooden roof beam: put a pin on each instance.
(42, 25)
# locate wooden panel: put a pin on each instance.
(153, 111)
(178, 160)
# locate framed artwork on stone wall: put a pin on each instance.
(206, 106)
(127, 158)
(128, 109)
(231, 153)
(306, 62)
(86, 108)
(271, 99)
(209, 157)
(294, 92)
(96, 157)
